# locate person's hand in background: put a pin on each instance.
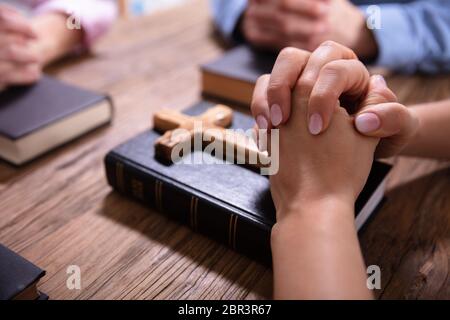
(54, 39)
(305, 24)
(377, 112)
(19, 62)
(279, 23)
(27, 45)
(346, 24)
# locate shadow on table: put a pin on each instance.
(210, 254)
(7, 172)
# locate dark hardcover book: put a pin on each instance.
(232, 77)
(42, 296)
(35, 119)
(227, 202)
(18, 277)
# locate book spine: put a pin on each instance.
(201, 215)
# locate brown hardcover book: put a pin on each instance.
(233, 76)
(227, 202)
(35, 119)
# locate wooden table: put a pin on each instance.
(59, 210)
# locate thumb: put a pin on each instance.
(367, 121)
(386, 120)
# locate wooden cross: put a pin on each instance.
(218, 118)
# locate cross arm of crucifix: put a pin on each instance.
(210, 127)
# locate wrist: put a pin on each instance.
(54, 39)
(364, 44)
(330, 210)
(45, 43)
(317, 205)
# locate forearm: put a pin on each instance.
(316, 254)
(432, 138)
(54, 38)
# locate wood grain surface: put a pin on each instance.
(59, 211)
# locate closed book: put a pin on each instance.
(18, 277)
(226, 202)
(232, 77)
(37, 118)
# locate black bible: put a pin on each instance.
(226, 202)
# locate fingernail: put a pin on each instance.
(315, 124)
(367, 122)
(380, 81)
(275, 115)
(261, 122)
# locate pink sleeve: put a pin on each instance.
(95, 16)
